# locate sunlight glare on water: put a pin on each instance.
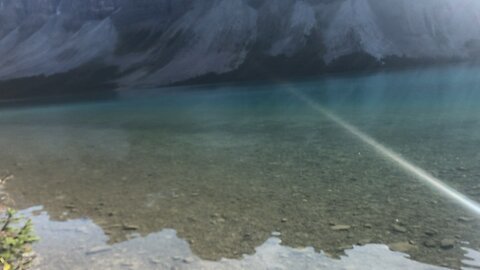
(420, 173)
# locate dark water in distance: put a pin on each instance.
(227, 165)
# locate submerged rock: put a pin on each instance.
(401, 246)
(364, 242)
(98, 249)
(431, 232)
(430, 243)
(188, 260)
(130, 227)
(6, 178)
(399, 229)
(447, 243)
(70, 206)
(341, 227)
(465, 219)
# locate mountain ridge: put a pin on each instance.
(173, 41)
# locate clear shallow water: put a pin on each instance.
(225, 166)
(81, 244)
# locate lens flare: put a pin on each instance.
(394, 157)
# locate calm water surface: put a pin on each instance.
(211, 172)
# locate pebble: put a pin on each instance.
(276, 234)
(401, 246)
(156, 261)
(340, 227)
(188, 260)
(98, 249)
(447, 243)
(431, 232)
(284, 220)
(363, 242)
(4, 179)
(399, 229)
(82, 229)
(465, 219)
(430, 243)
(343, 248)
(130, 227)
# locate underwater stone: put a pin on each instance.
(447, 243)
(430, 243)
(465, 219)
(364, 242)
(401, 246)
(129, 227)
(340, 227)
(398, 228)
(98, 250)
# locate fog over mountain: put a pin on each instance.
(158, 42)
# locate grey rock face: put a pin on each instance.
(168, 41)
(417, 29)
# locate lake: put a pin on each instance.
(181, 177)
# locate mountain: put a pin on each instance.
(159, 42)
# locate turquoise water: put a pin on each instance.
(227, 165)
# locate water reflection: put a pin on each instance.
(80, 244)
(472, 259)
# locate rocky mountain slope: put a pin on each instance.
(158, 42)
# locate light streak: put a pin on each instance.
(394, 157)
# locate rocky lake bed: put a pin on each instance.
(230, 170)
